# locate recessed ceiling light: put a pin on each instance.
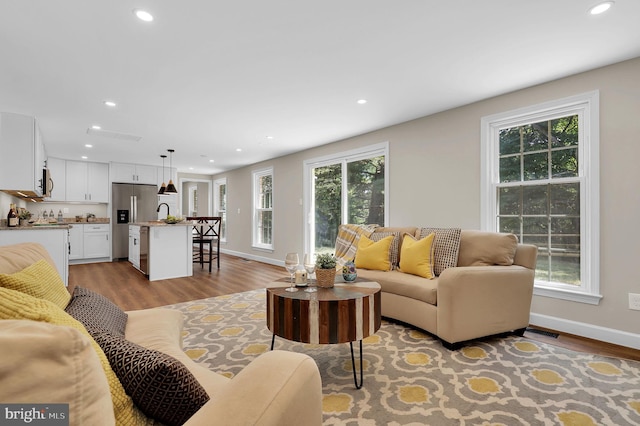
(212, 161)
(362, 101)
(110, 103)
(143, 15)
(269, 137)
(190, 168)
(96, 127)
(238, 149)
(601, 7)
(84, 157)
(88, 145)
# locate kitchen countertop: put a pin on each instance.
(97, 220)
(162, 223)
(68, 223)
(32, 227)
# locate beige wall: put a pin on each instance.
(434, 169)
(203, 182)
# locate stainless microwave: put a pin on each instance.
(46, 184)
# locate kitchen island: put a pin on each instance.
(161, 251)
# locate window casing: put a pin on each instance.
(220, 205)
(353, 187)
(263, 209)
(540, 180)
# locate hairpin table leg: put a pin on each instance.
(353, 364)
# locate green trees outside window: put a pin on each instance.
(347, 192)
(539, 193)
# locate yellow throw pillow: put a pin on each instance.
(39, 280)
(372, 255)
(416, 256)
(17, 305)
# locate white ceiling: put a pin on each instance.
(207, 77)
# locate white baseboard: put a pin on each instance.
(610, 335)
(253, 257)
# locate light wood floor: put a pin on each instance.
(130, 290)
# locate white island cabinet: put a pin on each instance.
(54, 238)
(166, 252)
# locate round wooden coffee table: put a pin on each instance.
(346, 313)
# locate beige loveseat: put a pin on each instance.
(45, 363)
(487, 292)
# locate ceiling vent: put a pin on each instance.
(113, 135)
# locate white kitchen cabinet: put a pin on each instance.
(76, 242)
(87, 181)
(89, 241)
(134, 245)
(57, 169)
(22, 159)
(133, 173)
(96, 240)
(54, 239)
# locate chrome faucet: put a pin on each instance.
(160, 205)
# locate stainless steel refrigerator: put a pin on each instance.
(130, 203)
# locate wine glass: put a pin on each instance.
(291, 262)
(310, 266)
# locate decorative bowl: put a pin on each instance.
(173, 221)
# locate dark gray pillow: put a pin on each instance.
(96, 312)
(160, 385)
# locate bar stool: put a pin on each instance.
(206, 232)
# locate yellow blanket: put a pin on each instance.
(347, 241)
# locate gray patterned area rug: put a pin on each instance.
(410, 379)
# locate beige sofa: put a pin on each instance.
(488, 292)
(45, 363)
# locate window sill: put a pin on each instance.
(573, 296)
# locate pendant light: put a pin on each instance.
(163, 187)
(171, 188)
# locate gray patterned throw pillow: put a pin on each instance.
(447, 246)
(96, 312)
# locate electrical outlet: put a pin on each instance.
(634, 301)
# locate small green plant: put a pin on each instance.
(325, 261)
(24, 214)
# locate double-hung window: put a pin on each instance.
(540, 182)
(263, 209)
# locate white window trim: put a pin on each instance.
(254, 228)
(343, 157)
(216, 201)
(588, 106)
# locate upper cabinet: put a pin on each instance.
(58, 173)
(133, 173)
(87, 181)
(22, 159)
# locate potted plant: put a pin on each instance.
(24, 217)
(325, 270)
